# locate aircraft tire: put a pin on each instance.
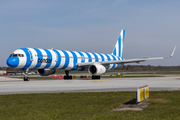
(67, 77)
(96, 77)
(26, 78)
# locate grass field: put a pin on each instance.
(87, 106)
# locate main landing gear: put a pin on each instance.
(26, 78)
(67, 77)
(96, 77)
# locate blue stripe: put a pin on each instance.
(96, 57)
(39, 55)
(89, 57)
(31, 56)
(119, 59)
(108, 60)
(49, 57)
(66, 59)
(119, 40)
(114, 52)
(28, 62)
(114, 58)
(83, 68)
(58, 59)
(123, 35)
(74, 61)
(102, 57)
(82, 56)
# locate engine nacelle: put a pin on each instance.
(97, 69)
(46, 72)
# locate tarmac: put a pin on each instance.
(18, 86)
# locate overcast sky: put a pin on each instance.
(152, 27)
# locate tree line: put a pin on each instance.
(146, 68)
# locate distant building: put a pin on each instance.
(2, 72)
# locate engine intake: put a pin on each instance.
(46, 72)
(96, 69)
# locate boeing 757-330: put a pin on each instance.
(47, 61)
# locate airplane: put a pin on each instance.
(47, 61)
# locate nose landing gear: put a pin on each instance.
(26, 78)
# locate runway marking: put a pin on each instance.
(99, 80)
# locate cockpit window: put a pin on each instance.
(13, 55)
(16, 55)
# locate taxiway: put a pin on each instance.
(18, 86)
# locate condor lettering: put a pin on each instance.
(40, 60)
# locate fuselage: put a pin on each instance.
(34, 58)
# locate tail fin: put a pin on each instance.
(119, 45)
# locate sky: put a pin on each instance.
(152, 27)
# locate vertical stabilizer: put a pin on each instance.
(118, 49)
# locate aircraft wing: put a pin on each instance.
(106, 63)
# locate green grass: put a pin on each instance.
(87, 106)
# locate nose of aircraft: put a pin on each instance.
(12, 62)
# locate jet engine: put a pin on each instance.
(46, 72)
(97, 69)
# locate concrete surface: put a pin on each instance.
(18, 86)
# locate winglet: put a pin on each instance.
(172, 53)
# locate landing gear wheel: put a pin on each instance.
(96, 77)
(26, 78)
(67, 77)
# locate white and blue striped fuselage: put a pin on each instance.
(46, 61)
(34, 58)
